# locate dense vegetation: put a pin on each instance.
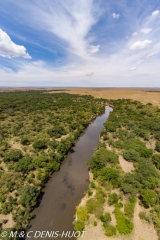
(36, 131)
(133, 132)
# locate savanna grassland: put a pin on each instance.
(37, 130)
(123, 199)
(144, 95)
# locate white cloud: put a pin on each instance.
(116, 15)
(140, 44)
(70, 21)
(94, 49)
(90, 74)
(133, 69)
(155, 13)
(9, 49)
(146, 30)
(147, 57)
(134, 34)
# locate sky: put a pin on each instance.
(80, 43)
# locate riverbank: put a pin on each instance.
(122, 201)
(34, 141)
(66, 187)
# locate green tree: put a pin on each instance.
(24, 165)
(28, 196)
(13, 155)
(40, 144)
(131, 155)
(149, 198)
(112, 199)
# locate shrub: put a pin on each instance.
(129, 207)
(91, 205)
(109, 230)
(95, 205)
(56, 131)
(139, 146)
(110, 126)
(106, 217)
(82, 213)
(157, 147)
(28, 196)
(131, 155)
(40, 161)
(148, 198)
(124, 226)
(40, 144)
(156, 160)
(13, 155)
(101, 157)
(95, 223)
(43, 176)
(110, 174)
(112, 199)
(53, 144)
(92, 185)
(24, 165)
(24, 141)
(144, 216)
(89, 192)
(79, 225)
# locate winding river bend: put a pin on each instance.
(66, 187)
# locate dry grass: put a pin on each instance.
(141, 94)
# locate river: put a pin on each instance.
(67, 186)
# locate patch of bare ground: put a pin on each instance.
(142, 230)
(16, 145)
(62, 137)
(3, 165)
(10, 223)
(151, 144)
(125, 165)
(110, 209)
(109, 147)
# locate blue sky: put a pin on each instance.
(85, 43)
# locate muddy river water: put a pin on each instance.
(66, 187)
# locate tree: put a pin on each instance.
(148, 198)
(110, 126)
(28, 196)
(24, 165)
(110, 174)
(131, 155)
(101, 157)
(40, 144)
(112, 199)
(24, 141)
(13, 155)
